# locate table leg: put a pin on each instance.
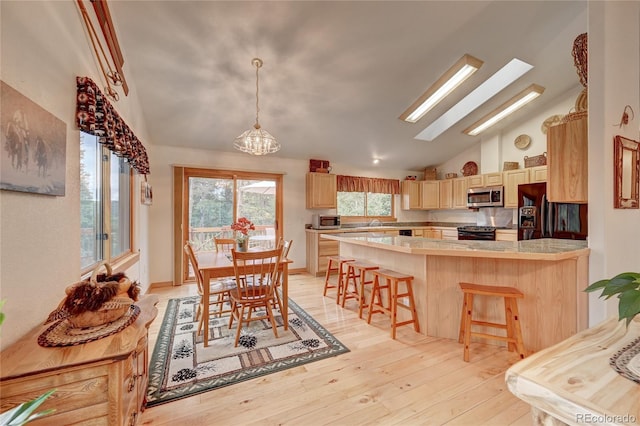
(206, 277)
(285, 295)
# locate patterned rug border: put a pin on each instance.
(158, 367)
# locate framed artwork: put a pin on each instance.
(146, 193)
(33, 146)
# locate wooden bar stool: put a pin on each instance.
(392, 279)
(336, 264)
(356, 273)
(512, 326)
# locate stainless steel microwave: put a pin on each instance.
(490, 196)
(325, 221)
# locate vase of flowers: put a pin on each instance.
(242, 227)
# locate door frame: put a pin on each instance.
(181, 175)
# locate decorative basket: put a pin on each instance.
(575, 116)
(451, 175)
(511, 165)
(430, 173)
(538, 160)
(99, 300)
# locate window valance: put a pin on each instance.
(96, 116)
(366, 184)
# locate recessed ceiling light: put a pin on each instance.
(376, 161)
(451, 79)
(494, 84)
(512, 105)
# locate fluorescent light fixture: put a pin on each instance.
(494, 84)
(451, 79)
(512, 105)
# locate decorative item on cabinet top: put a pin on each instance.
(510, 165)
(430, 173)
(470, 168)
(537, 160)
(451, 175)
(319, 166)
(551, 121)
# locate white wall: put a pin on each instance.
(614, 69)
(43, 49)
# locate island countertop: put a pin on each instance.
(551, 274)
(541, 249)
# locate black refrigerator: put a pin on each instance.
(538, 218)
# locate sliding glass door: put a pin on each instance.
(213, 200)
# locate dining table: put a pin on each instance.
(220, 265)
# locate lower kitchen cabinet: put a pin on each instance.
(103, 382)
(506, 235)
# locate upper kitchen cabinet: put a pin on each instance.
(446, 194)
(513, 178)
(567, 162)
(411, 195)
(459, 199)
(487, 179)
(322, 191)
(430, 194)
(538, 174)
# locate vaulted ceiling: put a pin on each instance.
(336, 75)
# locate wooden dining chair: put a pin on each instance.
(219, 291)
(256, 276)
(286, 246)
(224, 244)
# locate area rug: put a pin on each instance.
(181, 366)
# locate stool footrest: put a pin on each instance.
(493, 336)
(489, 324)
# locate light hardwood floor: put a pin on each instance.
(414, 380)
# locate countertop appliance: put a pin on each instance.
(473, 232)
(539, 218)
(325, 221)
(490, 196)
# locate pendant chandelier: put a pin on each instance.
(256, 141)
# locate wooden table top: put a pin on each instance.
(573, 381)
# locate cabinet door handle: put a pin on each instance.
(133, 419)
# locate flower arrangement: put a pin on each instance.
(243, 225)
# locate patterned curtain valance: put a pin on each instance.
(365, 184)
(96, 116)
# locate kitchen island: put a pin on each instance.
(551, 273)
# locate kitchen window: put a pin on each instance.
(364, 197)
(365, 204)
(105, 204)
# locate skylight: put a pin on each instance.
(494, 84)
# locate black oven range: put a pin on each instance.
(474, 232)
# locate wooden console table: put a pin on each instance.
(103, 382)
(573, 383)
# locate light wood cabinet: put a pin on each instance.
(322, 191)
(446, 194)
(432, 233)
(538, 174)
(430, 194)
(475, 181)
(103, 382)
(567, 162)
(493, 179)
(506, 235)
(450, 234)
(411, 194)
(459, 198)
(513, 178)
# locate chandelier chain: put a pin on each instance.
(257, 126)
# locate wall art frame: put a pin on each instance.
(33, 145)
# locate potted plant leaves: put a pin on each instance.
(626, 286)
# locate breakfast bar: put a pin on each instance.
(551, 273)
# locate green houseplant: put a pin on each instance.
(627, 288)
